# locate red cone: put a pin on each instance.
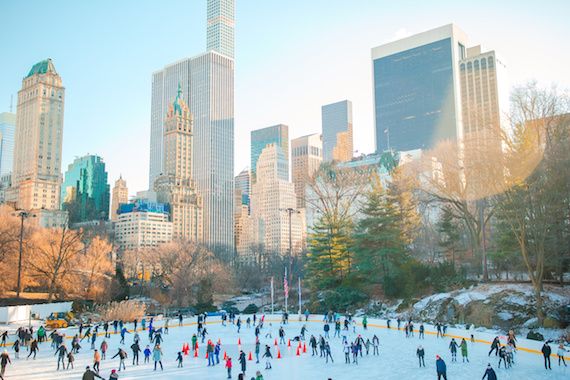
(225, 356)
(304, 348)
(289, 343)
(278, 354)
(250, 357)
(239, 341)
(298, 351)
(276, 341)
(196, 353)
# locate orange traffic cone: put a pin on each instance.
(304, 348)
(278, 354)
(289, 343)
(276, 341)
(250, 357)
(298, 351)
(225, 356)
(196, 346)
(299, 344)
(239, 341)
(196, 353)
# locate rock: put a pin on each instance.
(535, 335)
(551, 323)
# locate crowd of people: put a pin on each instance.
(355, 345)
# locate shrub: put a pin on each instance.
(250, 309)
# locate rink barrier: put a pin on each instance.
(524, 349)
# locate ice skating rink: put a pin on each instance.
(397, 359)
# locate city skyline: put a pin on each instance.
(105, 119)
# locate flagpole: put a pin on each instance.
(285, 289)
(272, 295)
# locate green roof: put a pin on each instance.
(42, 67)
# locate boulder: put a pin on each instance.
(535, 335)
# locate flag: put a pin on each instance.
(285, 285)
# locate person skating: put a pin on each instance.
(136, 349)
(242, 361)
(104, 347)
(328, 353)
(147, 353)
(106, 328)
(346, 350)
(123, 333)
(257, 347)
(420, 352)
(180, 319)
(354, 350)
(217, 350)
(441, 368)
(229, 367)
(157, 356)
(4, 361)
(143, 323)
(114, 375)
(122, 354)
(93, 339)
(33, 349)
(561, 352)
(16, 348)
(494, 346)
(367, 346)
(4, 337)
(96, 360)
(503, 357)
(365, 322)
(546, 351)
(464, 356)
(375, 345)
(337, 329)
(326, 329)
(90, 375)
(210, 353)
(179, 359)
(422, 331)
(313, 344)
(489, 373)
(267, 355)
(439, 333)
(135, 323)
(453, 348)
(258, 376)
(281, 335)
(70, 359)
(61, 353)
(194, 342)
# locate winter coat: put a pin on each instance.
(490, 374)
(90, 375)
(96, 357)
(420, 352)
(546, 350)
(453, 346)
(147, 352)
(157, 354)
(440, 366)
(463, 348)
(229, 363)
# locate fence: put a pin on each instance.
(21, 313)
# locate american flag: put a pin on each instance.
(285, 284)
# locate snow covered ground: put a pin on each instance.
(397, 358)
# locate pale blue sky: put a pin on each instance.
(291, 57)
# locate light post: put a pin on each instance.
(290, 211)
(22, 215)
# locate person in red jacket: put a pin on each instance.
(229, 367)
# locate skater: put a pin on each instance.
(504, 358)
(229, 367)
(136, 349)
(135, 323)
(61, 353)
(463, 346)
(354, 350)
(489, 373)
(375, 344)
(422, 330)
(179, 359)
(104, 347)
(70, 359)
(257, 346)
(242, 361)
(180, 318)
(194, 342)
(494, 346)
(281, 335)
(258, 376)
(4, 360)
(440, 368)
(90, 375)
(93, 339)
(420, 352)
(346, 350)
(367, 346)
(114, 375)
(267, 355)
(313, 344)
(328, 353)
(96, 360)
(147, 353)
(561, 352)
(16, 348)
(439, 333)
(157, 356)
(143, 323)
(123, 332)
(122, 354)
(307, 315)
(453, 348)
(210, 353)
(546, 351)
(34, 349)
(326, 328)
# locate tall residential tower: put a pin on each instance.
(260, 138)
(337, 131)
(7, 130)
(119, 196)
(306, 157)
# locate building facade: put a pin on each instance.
(207, 81)
(242, 189)
(175, 185)
(337, 131)
(260, 138)
(306, 158)
(120, 195)
(416, 89)
(36, 178)
(143, 225)
(270, 199)
(7, 130)
(85, 190)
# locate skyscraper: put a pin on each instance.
(306, 157)
(36, 179)
(271, 197)
(207, 81)
(221, 26)
(416, 89)
(242, 188)
(7, 130)
(85, 191)
(337, 131)
(260, 138)
(175, 185)
(120, 196)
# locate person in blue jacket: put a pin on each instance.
(441, 368)
(489, 373)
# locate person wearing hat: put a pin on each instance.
(490, 373)
(90, 375)
(440, 368)
(114, 375)
(420, 352)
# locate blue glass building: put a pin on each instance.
(260, 138)
(7, 130)
(416, 89)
